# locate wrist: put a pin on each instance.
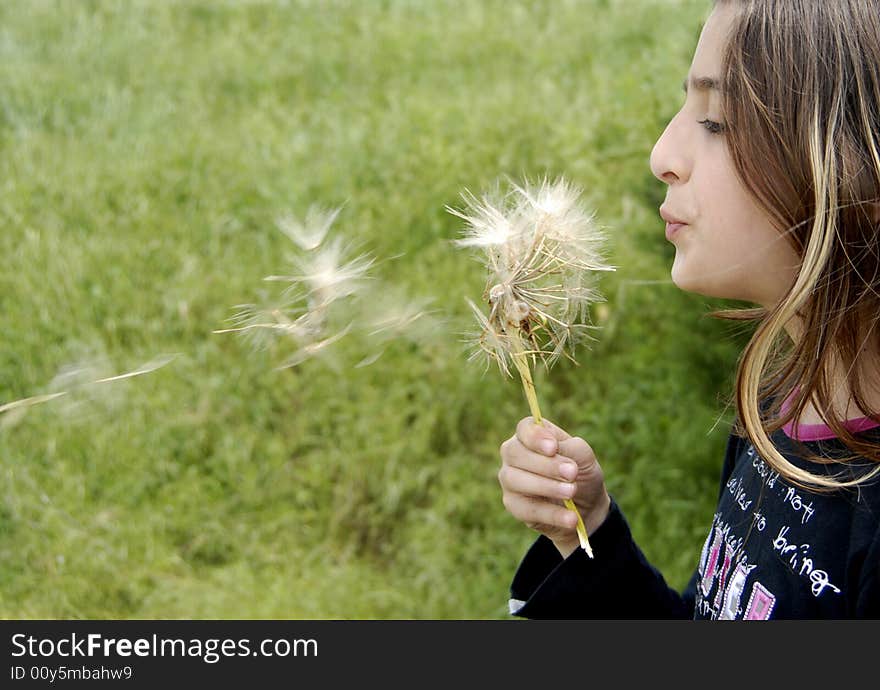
(566, 547)
(594, 519)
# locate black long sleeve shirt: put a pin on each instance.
(773, 551)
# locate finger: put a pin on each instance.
(542, 438)
(521, 482)
(535, 510)
(515, 454)
(578, 450)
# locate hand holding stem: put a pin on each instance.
(520, 360)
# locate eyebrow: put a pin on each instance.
(702, 84)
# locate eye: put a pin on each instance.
(711, 126)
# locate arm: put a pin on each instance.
(618, 583)
(557, 580)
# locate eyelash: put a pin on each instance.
(711, 126)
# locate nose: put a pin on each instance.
(670, 160)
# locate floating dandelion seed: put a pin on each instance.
(393, 314)
(541, 249)
(262, 325)
(325, 275)
(390, 315)
(310, 234)
(81, 377)
(312, 348)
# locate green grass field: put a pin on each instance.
(147, 149)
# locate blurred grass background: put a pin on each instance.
(147, 149)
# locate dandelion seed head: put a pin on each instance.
(541, 248)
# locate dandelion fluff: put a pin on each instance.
(540, 248)
(327, 274)
(308, 234)
(80, 384)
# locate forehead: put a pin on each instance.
(710, 48)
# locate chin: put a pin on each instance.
(682, 280)
(690, 283)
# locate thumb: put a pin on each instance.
(577, 449)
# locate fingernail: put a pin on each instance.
(548, 447)
(568, 470)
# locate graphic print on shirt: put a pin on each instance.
(715, 574)
(733, 597)
(760, 605)
(730, 583)
(711, 566)
(722, 578)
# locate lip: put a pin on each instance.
(672, 228)
(673, 223)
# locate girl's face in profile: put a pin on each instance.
(727, 246)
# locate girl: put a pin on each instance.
(772, 170)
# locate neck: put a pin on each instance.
(842, 402)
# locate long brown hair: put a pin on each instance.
(801, 99)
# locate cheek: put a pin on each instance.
(743, 258)
(734, 252)
(739, 226)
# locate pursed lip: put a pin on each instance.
(673, 222)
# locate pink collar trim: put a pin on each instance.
(822, 432)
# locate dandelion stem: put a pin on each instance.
(519, 356)
(520, 359)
